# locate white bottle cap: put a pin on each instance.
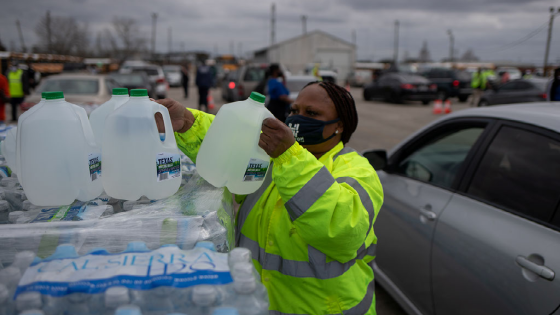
(239, 254)
(127, 205)
(128, 310)
(28, 301)
(116, 296)
(4, 206)
(10, 277)
(22, 260)
(13, 216)
(26, 205)
(244, 284)
(204, 295)
(242, 269)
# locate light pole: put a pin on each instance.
(154, 21)
(396, 49)
(451, 44)
(552, 15)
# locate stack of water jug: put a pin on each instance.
(136, 281)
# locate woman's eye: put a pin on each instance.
(312, 113)
(293, 110)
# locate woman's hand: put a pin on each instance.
(181, 118)
(276, 137)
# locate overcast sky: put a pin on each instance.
(489, 27)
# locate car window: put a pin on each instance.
(254, 75)
(520, 172)
(72, 86)
(522, 85)
(148, 71)
(129, 79)
(296, 85)
(508, 86)
(110, 84)
(440, 159)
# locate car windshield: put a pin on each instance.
(148, 71)
(463, 75)
(71, 86)
(296, 85)
(129, 79)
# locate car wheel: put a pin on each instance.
(425, 102)
(463, 98)
(483, 103)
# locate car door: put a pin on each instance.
(502, 95)
(418, 183)
(496, 245)
(523, 92)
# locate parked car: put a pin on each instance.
(137, 80)
(173, 75)
(295, 83)
(398, 87)
(85, 90)
(451, 83)
(517, 91)
(514, 73)
(471, 218)
(359, 78)
(156, 75)
(239, 83)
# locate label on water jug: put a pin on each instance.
(168, 166)
(256, 170)
(100, 270)
(94, 166)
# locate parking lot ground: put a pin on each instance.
(381, 126)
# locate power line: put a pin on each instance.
(519, 41)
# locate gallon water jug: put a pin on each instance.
(8, 148)
(98, 116)
(59, 160)
(230, 154)
(136, 162)
(21, 119)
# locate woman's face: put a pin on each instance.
(314, 102)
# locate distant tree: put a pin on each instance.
(469, 56)
(424, 54)
(62, 35)
(122, 41)
(2, 47)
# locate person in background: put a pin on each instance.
(505, 77)
(19, 87)
(204, 81)
(310, 227)
(185, 79)
(31, 76)
(477, 86)
(528, 74)
(4, 98)
(554, 87)
(279, 94)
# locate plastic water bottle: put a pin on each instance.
(4, 212)
(239, 255)
(128, 310)
(247, 299)
(23, 260)
(32, 312)
(58, 156)
(206, 244)
(53, 305)
(78, 299)
(225, 311)
(8, 147)
(114, 298)
(157, 301)
(138, 246)
(63, 251)
(6, 304)
(10, 278)
(98, 116)
(29, 301)
(136, 162)
(230, 154)
(203, 298)
(13, 216)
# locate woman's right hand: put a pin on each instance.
(181, 118)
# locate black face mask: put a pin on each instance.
(308, 130)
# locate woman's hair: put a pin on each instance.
(345, 107)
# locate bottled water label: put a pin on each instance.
(64, 213)
(256, 170)
(94, 166)
(168, 166)
(99, 270)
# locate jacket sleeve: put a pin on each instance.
(332, 212)
(189, 142)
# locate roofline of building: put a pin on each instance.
(302, 36)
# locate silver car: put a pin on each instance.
(156, 75)
(471, 219)
(173, 75)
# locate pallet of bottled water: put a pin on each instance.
(165, 281)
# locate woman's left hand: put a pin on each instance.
(276, 137)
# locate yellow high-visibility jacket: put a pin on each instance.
(309, 227)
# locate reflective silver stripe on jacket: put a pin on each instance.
(364, 198)
(316, 266)
(344, 150)
(360, 309)
(314, 189)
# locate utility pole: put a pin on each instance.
(239, 49)
(21, 37)
(169, 41)
(273, 25)
(548, 38)
(304, 24)
(451, 44)
(231, 47)
(49, 33)
(154, 21)
(396, 56)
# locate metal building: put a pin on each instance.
(300, 53)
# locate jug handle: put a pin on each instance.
(166, 122)
(266, 114)
(86, 126)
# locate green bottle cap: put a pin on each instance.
(257, 97)
(120, 91)
(138, 92)
(44, 94)
(54, 95)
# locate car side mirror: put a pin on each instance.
(377, 158)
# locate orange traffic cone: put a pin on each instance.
(210, 101)
(437, 107)
(447, 107)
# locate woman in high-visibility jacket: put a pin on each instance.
(310, 226)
